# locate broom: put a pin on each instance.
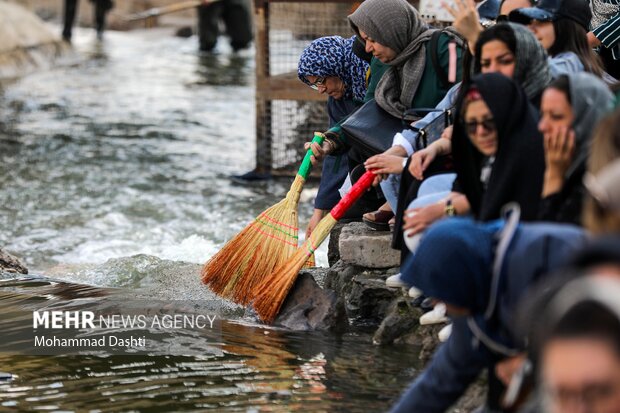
(271, 293)
(261, 246)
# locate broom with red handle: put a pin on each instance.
(268, 241)
(270, 294)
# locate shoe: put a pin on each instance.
(378, 220)
(417, 302)
(414, 292)
(436, 316)
(444, 333)
(427, 304)
(395, 281)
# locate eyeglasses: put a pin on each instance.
(487, 124)
(320, 81)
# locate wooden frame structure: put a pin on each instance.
(273, 87)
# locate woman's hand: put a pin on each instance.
(505, 369)
(593, 41)
(559, 153)
(319, 151)
(420, 160)
(314, 220)
(418, 219)
(466, 19)
(385, 164)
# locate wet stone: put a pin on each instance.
(402, 319)
(369, 298)
(10, 263)
(309, 307)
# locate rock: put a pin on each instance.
(339, 278)
(27, 42)
(402, 319)
(10, 263)
(425, 338)
(369, 297)
(361, 246)
(333, 250)
(309, 307)
(364, 290)
(184, 32)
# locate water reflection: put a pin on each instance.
(257, 368)
(217, 69)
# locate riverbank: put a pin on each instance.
(27, 42)
(360, 261)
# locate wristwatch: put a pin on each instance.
(449, 209)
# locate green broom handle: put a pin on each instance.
(306, 165)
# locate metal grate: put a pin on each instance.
(287, 111)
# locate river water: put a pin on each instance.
(114, 173)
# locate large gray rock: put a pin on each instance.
(359, 245)
(10, 263)
(309, 307)
(333, 250)
(402, 319)
(369, 298)
(339, 277)
(363, 289)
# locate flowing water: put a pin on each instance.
(114, 173)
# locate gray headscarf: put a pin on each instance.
(531, 66)
(590, 100)
(397, 25)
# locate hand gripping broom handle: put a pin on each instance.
(306, 165)
(353, 195)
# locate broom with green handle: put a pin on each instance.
(270, 294)
(236, 270)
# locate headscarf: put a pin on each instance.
(531, 65)
(333, 56)
(397, 25)
(590, 100)
(570, 310)
(518, 170)
(454, 263)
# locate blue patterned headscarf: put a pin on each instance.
(333, 56)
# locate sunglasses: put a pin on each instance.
(487, 124)
(320, 81)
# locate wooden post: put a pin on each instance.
(263, 103)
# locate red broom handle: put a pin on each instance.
(353, 195)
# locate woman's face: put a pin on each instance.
(495, 56)
(581, 375)
(555, 111)
(331, 85)
(381, 52)
(480, 127)
(544, 32)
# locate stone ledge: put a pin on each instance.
(361, 246)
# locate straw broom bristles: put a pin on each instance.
(271, 293)
(256, 251)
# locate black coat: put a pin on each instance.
(518, 171)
